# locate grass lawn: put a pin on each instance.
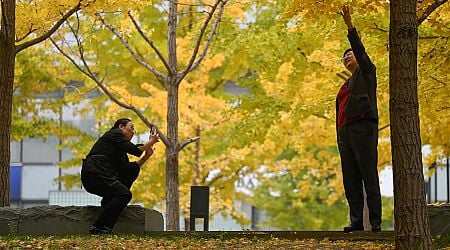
(148, 242)
(125, 241)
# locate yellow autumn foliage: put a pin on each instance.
(286, 122)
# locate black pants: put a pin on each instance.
(115, 197)
(357, 143)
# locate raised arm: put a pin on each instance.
(364, 62)
(148, 148)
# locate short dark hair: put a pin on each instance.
(121, 121)
(346, 51)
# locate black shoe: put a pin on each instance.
(376, 229)
(352, 228)
(100, 230)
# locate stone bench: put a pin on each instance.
(439, 215)
(74, 220)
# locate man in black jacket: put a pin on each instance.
(357, 132)
(107, 171)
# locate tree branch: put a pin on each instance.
(321, 116)
(93, 76)
(384, 127)
(149, 41)
(432, 7)
(26, 35)
(433, 37)
(138, 59)
(191, 65)
(210, 37)
(379, 28)
(52, 30)
(187, 142)
(220, 176)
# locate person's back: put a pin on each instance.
(111, 148)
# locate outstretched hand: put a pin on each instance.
(347, 16)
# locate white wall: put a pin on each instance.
(37, 180)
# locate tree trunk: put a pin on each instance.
(172, 192)
(7, 60)
(412, 230)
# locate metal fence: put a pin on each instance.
(73, 198)
(438, 185)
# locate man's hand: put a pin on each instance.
(347, 17)
(154, 138)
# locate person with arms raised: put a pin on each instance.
(357, 132)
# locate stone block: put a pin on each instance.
(56, 220)
(439, 218)
(9, 220)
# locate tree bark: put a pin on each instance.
(7, 61)
(412, 230)
(172, 194)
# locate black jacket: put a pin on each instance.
(362, 84)
(108, 155)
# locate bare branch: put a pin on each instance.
(220, 176)
(379, 28)
(149, 41)
(322, 116)
(138, 59)
(172, 39)
(433, 37)
(432, 7)
(210, 38)
(191, 65)
(213, 180)
(187, 142)
(93, 76)
(384, 127)
(68, 57)
(52, 30)
(442, 108)
(18, 39)
(437, 80)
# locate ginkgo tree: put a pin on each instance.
(168, 72)
(23, 25)
(320, 19)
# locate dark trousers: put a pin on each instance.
(357, 143)
(114, 197)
